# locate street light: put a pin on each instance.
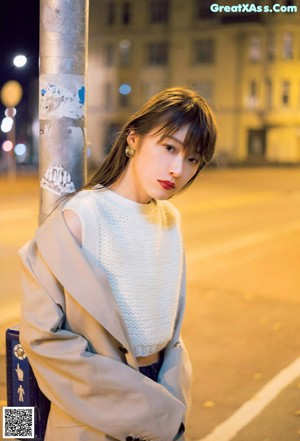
(11, 95)
(20, 60)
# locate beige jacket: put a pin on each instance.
(79, 348)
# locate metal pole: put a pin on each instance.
(62, 99)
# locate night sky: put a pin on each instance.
(19, 34)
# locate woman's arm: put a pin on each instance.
(73, 222)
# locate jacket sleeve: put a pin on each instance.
(97, 391)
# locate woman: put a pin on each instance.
(104, 284)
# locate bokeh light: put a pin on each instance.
(20, 61)
(6, 124)
(7, 146)
(20, 149)
(125, 89)
(10, 111)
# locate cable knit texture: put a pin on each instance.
(139, 247)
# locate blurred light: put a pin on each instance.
(20, 61)
(125, 44)
(20, 149)
(11, 93)
(6, 124)
(88, 152)
(124, 89)
(10, 111)
(7, 146)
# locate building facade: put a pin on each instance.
(245, 62)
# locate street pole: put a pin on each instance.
(62, 99)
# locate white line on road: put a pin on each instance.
(252, 408)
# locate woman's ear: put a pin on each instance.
(132, 138)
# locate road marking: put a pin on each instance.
(252, 408)
(240, 242)
(16, 214)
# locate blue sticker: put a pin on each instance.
(43, 91)
(81, 94)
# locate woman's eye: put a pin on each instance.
(170, 148)
(193, 160)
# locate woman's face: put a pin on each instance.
(160, 166)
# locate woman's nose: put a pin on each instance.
(176, 167)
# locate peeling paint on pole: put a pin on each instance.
(62, 99)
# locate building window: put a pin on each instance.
(111, 13)
(124, 94)
(157, 54)
(202, 9)
(252, 96)
(126, 13)
(123, 100)
(109, 54)
(271, 47)
(287, 46)
(285, 93)
(204, 51)
(269, 93)
(108, 96)
(159, 11)
(125, 52)
(254, 48)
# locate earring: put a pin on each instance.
(129, 151)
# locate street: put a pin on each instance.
(241, 231)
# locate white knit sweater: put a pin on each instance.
(139, 247)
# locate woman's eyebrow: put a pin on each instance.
(174, 139)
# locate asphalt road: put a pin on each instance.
(242, 235)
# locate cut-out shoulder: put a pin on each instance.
(74, 224)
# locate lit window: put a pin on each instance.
(159, 11)
(204, 51)
(254, 48)
(285, 93)
(157, 54)
(125, 52)
(252, 96)
(287, 47)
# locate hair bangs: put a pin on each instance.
(198, 140)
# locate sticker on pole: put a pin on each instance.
(57, 180)
(62, 96)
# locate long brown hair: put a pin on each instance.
(169, 111)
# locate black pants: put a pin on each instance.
(152, 370)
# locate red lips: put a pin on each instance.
(167, 185)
